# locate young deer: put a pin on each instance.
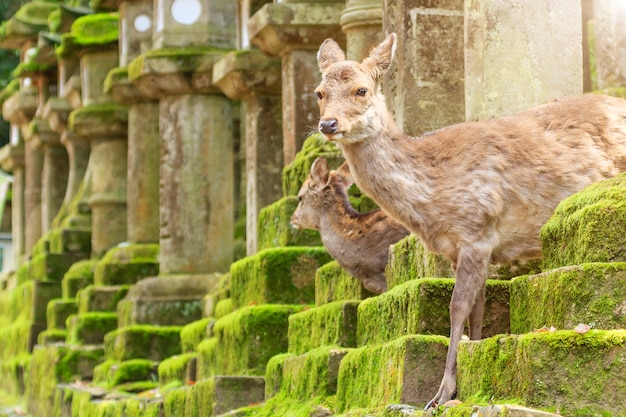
(475, 192)
(359, 242)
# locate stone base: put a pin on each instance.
(90, 328)
(127, 264)
(333, 283)
(143, 342)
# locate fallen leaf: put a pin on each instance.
(582, 328)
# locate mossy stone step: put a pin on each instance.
(88, 401)
(422, 306)
(214, 396)
(90, 328)
(143, 341)
(58, 310)
(302, 377)
(51, 336)
(111, 373)
(274, 228)
(178, 368)
(587, 226)
(80, 275)
(70, 240)
(565, 371)
(127, 264)
(245, 340)
(43, 293)
(277, 276)
(333, 283)
(592, 293)
(407, 370)
(193, 333)
(92, 298)
(52, 266)
(332, 324)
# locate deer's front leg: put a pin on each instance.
(469, 289)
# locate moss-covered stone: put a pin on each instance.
(132, 370)
(194, 333)
(176, 368)
(333, 283)
(43, 293)
(127, 265)
(142, 341)
(52, 266)
(333, 324)
(92, 298)
(593, 293)
(92, 30)
(51, 336)
(281, 275)
(224, 308)
(275, 230)
(566, 372)
(78, 276)
(90, 328)
(422, 307)
(245, 340)
(58, 311)
(407, 370)
(588, 226)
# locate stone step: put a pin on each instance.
(421, 306)
(592, 293)
(92, 298)
(407, 370)
(332, 324)
(127, 264)
(58, 310)
(52, 266)
(245, 340)
(333, 283)
(193, 333)
(80, 275)
(143, 341)
(274, 229)
(277, 276)
(90, 328)
(566, 371)
(178, 368)
(111, 373)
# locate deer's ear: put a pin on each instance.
(319, 173)
(328, 54)
(381, 56)
(344, 175)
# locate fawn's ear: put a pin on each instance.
(319, 173)
(381, 56)
(328, 54)
(344, 175)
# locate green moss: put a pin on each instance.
(9, 90)
(573, 374)
(92, 298)
(97, 113)
(588, 226)
(194, 333)
(90, 328)
(274, 229)
(58, 311)
(407, 370)
(245, 340)
(132, 370)
(175, 369)
(333, 324)
(35, 13)
(127, 264)
(333, 283)
(116, 76)
(224, 308)
(96, 29)
(422, 307)
(143, 341)
(587, 293)
(51, 336)
(282, 275)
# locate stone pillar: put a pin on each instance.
(294, 31)
(424, 87)
(103, 125)
(196, 129)
(12, 160)
(254, 78)
(609, 20)
(520, 54)
(362, 22)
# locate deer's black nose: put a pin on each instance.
(328, 126)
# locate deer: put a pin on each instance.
(359, 242)
(477, 192)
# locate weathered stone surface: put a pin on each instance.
(143, 341)
(58, 311)
(591, 293)
(136, 25)
(90, 328)
(100, 298)
(241, 72)
(127, 264)
(333, 324)
(277, 276)
(423, 307)
(591, 363)
(362, 22)
(52, 266)
(587, 227)
(78, 276)
(176, 369)
(43, 293)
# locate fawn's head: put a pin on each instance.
(349, 95)
(321, 190)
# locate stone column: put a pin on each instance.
(609, 19)
(362, 22)
(294, 31)
(254, 78)
(12, 160)
(424, 87)
(520, 54)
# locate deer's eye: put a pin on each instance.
(319, 95)
(361, 92)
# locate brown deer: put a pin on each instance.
(359, 242)
(475, 192)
